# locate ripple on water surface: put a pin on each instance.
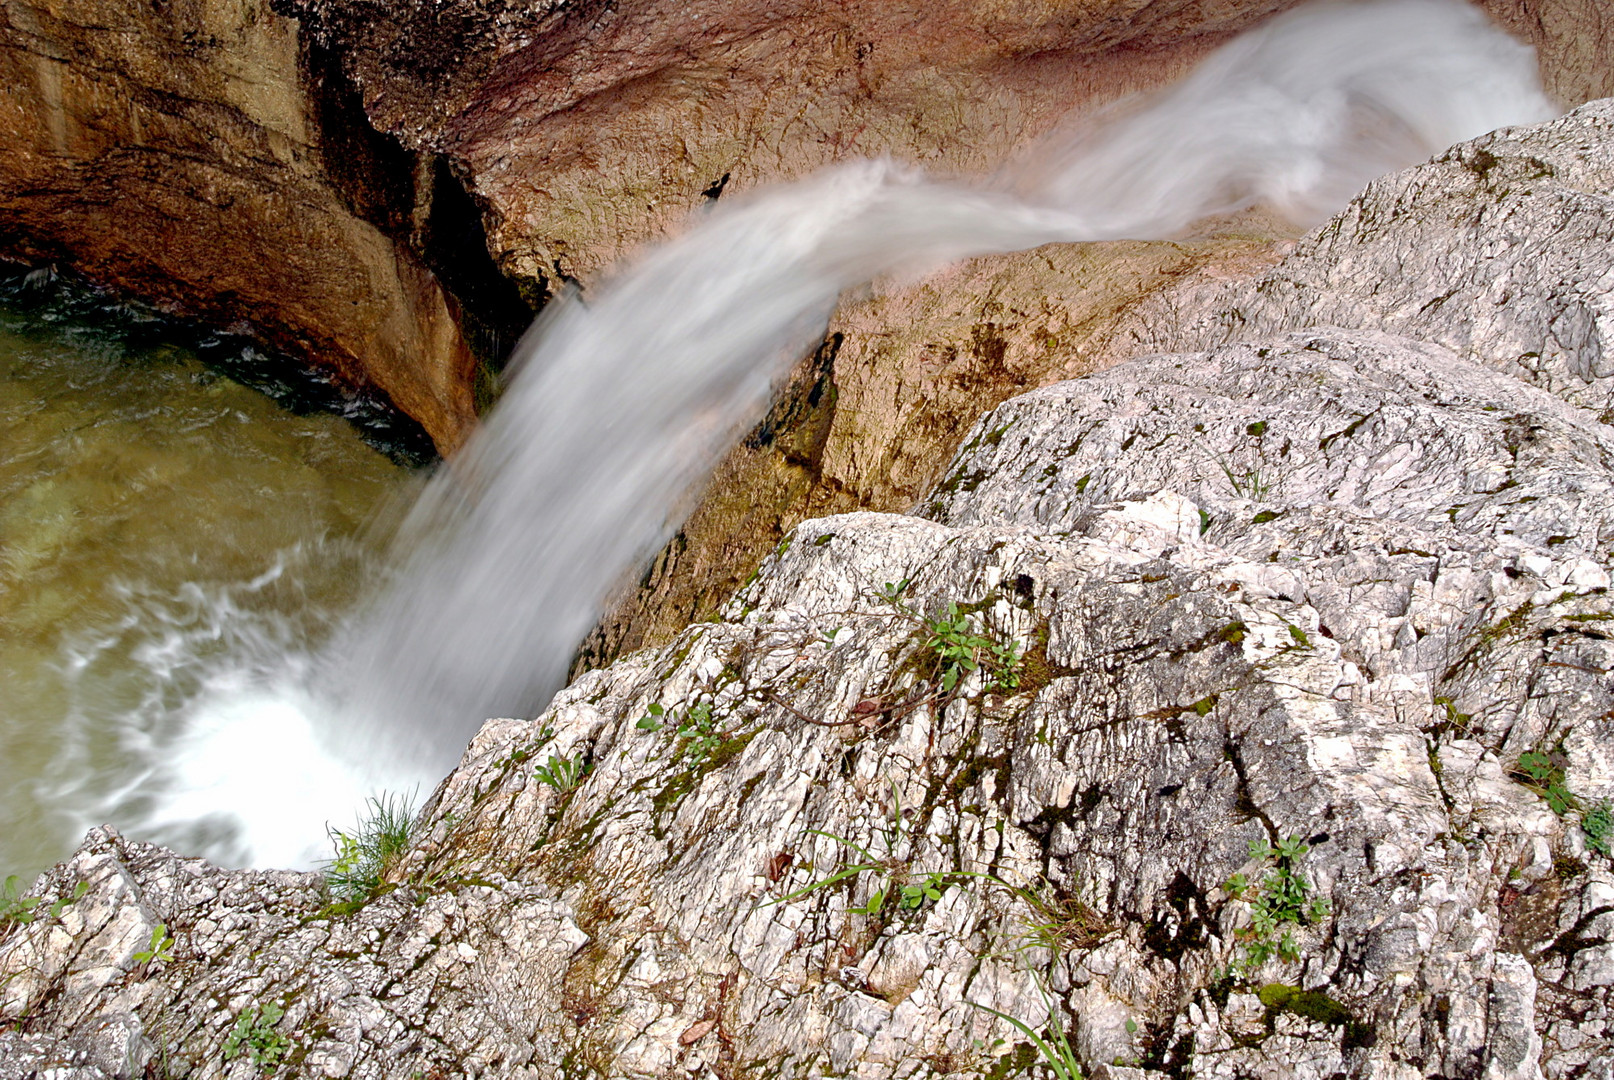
(168, 537)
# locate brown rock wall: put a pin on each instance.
(174, 151)
(1573, 38)
(589, 128)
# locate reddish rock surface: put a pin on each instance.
(176, 151)
(586, 128)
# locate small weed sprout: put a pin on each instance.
(1279, 903)
(562, 773)
(1541, 773)
(160, 950)
(1598, 825)
(19, 910)
(254, 1034)
(363, 857)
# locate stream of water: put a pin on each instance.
(619, 409)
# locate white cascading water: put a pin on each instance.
(621, 406)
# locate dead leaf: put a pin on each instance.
(697, 1031)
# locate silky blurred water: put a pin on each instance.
(165, 533)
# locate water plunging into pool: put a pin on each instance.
(620, 406)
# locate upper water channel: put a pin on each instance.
(166, 532)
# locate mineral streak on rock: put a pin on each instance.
(1322, 585)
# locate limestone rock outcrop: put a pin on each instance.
(1493, 250)
(1237, 711)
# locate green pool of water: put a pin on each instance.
(162, 527)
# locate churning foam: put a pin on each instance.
(621, 405)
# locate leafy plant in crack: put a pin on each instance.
(697, 735)
(956, 647)
(959, 650)
(1542, 773)
(1598, 825)
(19, 910)
(254, 1035)
(562, 773)
(1279, 903)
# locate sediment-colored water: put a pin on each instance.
(164, 531)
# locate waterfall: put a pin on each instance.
(622, 403)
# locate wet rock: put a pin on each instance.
(870, 420)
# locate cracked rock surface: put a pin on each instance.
(1279, 753)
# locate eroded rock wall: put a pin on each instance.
(177, 151)
(1334, 592)
(589, 128)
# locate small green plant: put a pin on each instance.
(19, 910)
(254, 1034)
(959, 650)
(1542, 774)
(1281, 902)
(562, 773)
(1598, 825)
(357, 872)
(161, 948)
(696, 735)
(911, 891)
(1055, 1050)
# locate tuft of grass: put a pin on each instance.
(357, 873)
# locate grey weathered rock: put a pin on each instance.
(1187, 694)
(1496, 249)
(1327, 585)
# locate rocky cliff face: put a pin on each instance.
(1239, 711)
(208, 155)
(179, 152)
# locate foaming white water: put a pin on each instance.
(264, 753)
(621, 406)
